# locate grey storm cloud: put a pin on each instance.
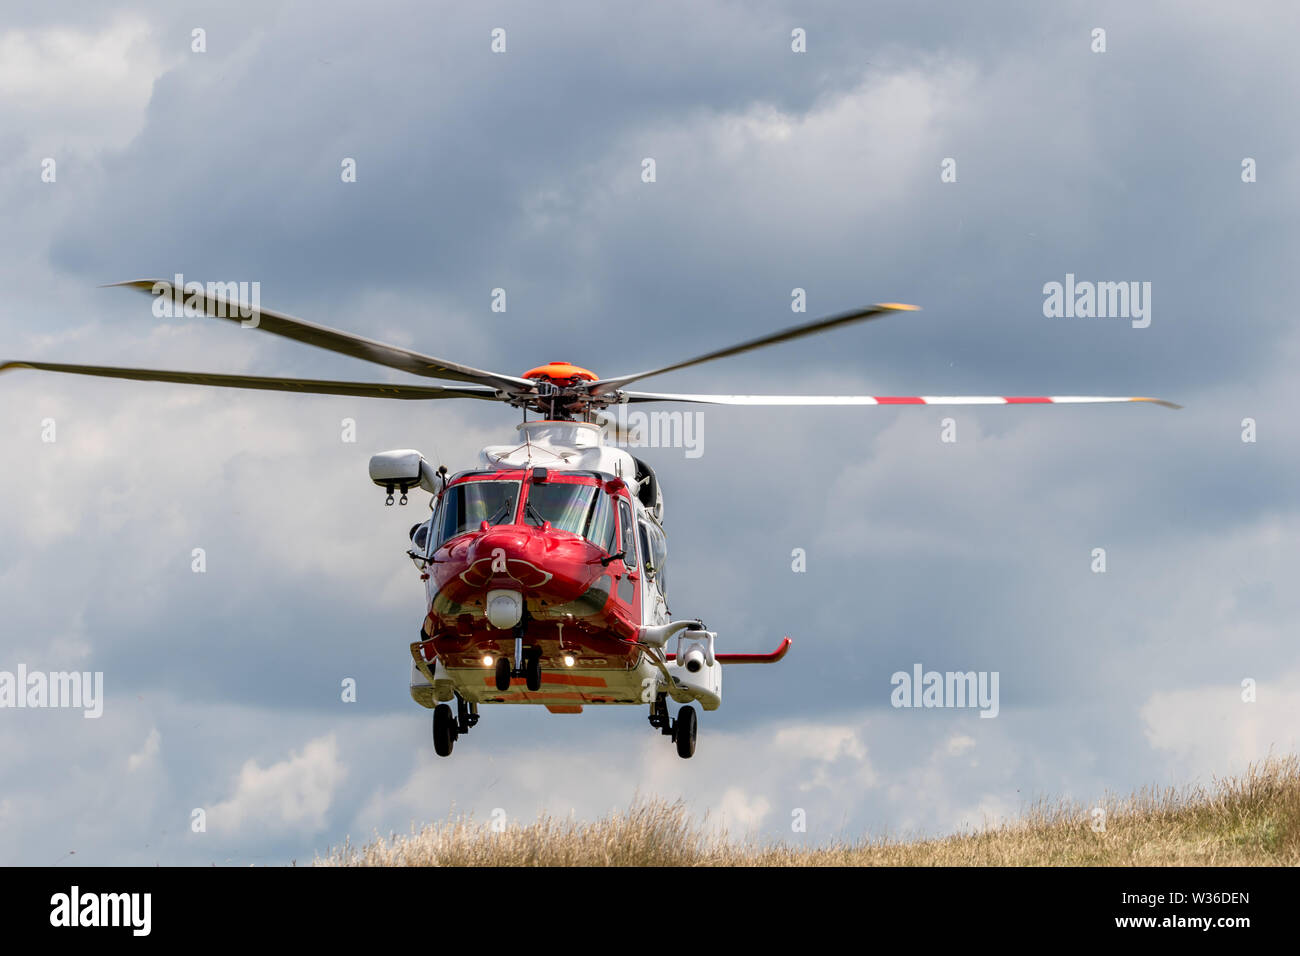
(775, 170)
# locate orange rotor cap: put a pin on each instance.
(561, 372)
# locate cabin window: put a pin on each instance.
(650, 565)
(658, 556)
(467, 505)
(654, 551)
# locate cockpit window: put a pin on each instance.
(600, 530)
(568, 507)
(468, 505)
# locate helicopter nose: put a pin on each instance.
(507, 539)
(507, 557)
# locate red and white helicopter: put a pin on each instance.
(545, 565)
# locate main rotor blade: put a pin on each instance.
(607, 385)
(336, 341)
(303, 385)
(889, 399)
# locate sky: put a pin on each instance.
(956, 158)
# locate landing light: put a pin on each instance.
(487, 660)
(568, 660)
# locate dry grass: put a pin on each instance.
(1249, 820)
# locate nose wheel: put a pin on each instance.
(533, 669)
(530, 671)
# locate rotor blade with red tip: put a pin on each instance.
(890, 399)
(321, 336)
(301, 385)
(606, 385)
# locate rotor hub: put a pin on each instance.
(561, 390)
(562, 374)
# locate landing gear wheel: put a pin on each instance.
(444, 730)
(503, 673)
(684, 731)
(533, 671)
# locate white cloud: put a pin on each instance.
(832, 162)
(740, 812)
(294, 794)
(825, 752)
(958, 744)
(1211, 730)
(145, 756)
(72, 89)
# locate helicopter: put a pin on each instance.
(545, 565)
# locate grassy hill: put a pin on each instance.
(1249, 820)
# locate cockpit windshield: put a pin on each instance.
(467, 505)
(578, 509)
(568, 507)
